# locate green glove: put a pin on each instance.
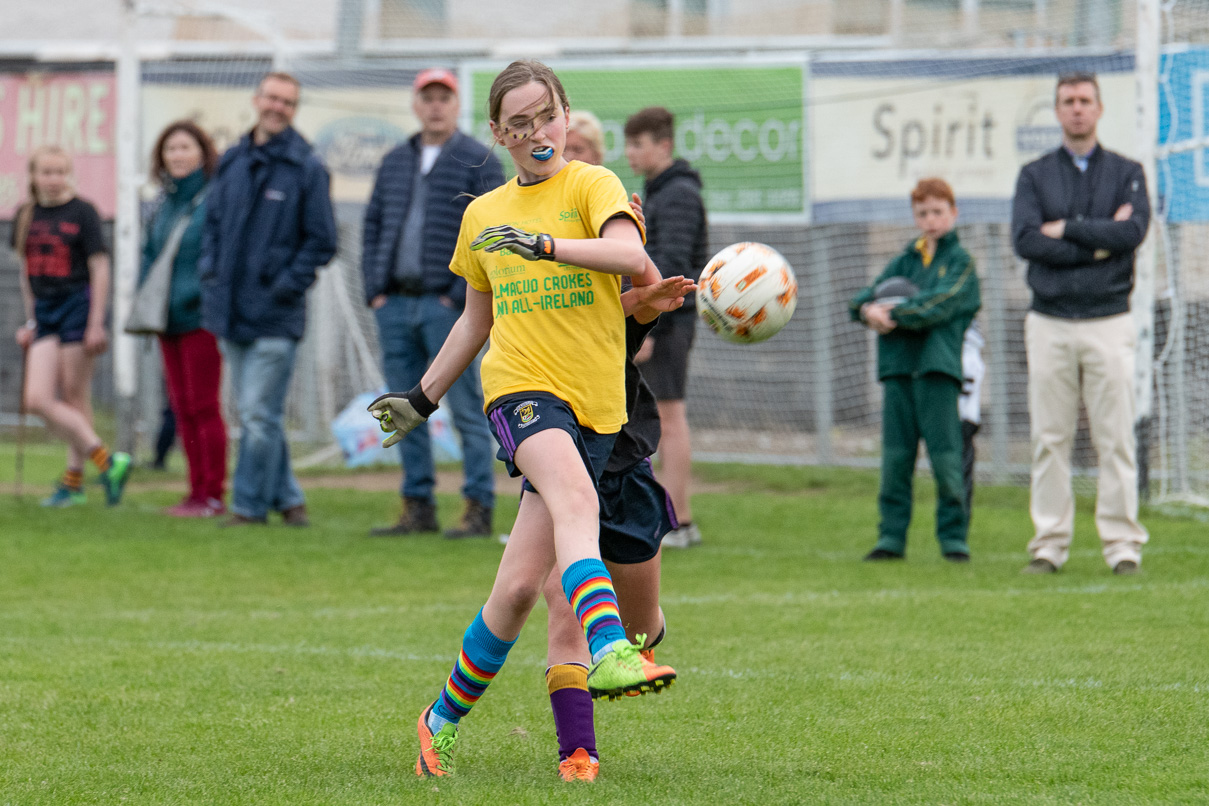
(529, 245)
(399, 414)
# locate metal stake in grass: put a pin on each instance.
(21, 425)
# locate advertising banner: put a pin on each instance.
(75, 110)
(742, 125)
(1183, 175)
(874, 138)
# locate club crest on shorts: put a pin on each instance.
(526, 412)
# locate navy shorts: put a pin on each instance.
(667, 370)
(65, 317)
(514, 418)
(635, 514)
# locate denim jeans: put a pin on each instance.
(412, 330)
(260, 374)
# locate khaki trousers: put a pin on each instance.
(1099, 355)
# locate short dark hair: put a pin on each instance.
(279, 75)
(209, 153)
(1077, 77)
(654, 120)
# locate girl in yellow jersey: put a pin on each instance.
(543, 257)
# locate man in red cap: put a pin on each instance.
(411, 227)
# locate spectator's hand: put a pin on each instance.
(96, 340)
(645, 351)
(25, 336)
(529, 245)
(1123, 213)
(1054, 229)
(877, 317)
(636, 206)
(377, 302)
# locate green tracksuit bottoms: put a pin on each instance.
(914, 407)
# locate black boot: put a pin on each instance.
(419, 515)
(476, 521)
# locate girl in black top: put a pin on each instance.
(65, 287)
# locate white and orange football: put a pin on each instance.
(747, 292)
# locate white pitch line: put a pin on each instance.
(687, 673)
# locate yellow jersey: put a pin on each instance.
(556, 328)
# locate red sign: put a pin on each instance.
(77, 111)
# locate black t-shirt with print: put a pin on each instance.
(57, 248)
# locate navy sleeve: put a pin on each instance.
(1030, 244)
(371, 229)
(1117, 237)
(318, 238)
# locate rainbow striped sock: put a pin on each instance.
(589, 589)
(482, 656)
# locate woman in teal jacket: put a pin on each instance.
(183, 161)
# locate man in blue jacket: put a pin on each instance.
(1078, 215)
(411, 228)
(269, 227)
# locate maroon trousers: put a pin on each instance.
(193, 369)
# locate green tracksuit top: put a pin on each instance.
(931, 324)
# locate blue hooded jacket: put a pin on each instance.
(269, 227)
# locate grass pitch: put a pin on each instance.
(145, 660)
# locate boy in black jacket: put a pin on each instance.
(677, 241)
(919, 364)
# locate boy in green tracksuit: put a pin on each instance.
(919, 365)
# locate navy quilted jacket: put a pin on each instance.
(465, 169)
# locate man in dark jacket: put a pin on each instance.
(411, 228)
(1078, 215)
(678, 243)
(269, 227)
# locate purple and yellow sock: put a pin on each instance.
(572, 706)
(482, 656)
(589, 589)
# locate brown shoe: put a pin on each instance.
(476, 522)
(1126, 568)
(1039, 566)
(295, 516)
(419, 515)
(242, 520)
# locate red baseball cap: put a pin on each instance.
(435, 75)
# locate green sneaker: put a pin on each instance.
(624, 671)
(114, 479)
(65, 497)
(436, 752)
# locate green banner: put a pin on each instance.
(741, 126)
